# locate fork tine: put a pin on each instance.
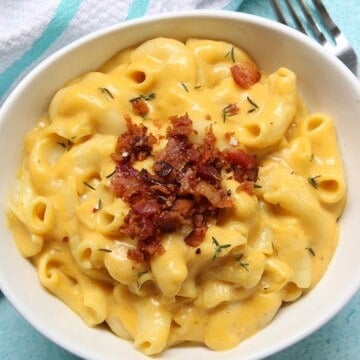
(340, 46)
(314, 27)
(297, 21)
(328, 22)
(278, 12)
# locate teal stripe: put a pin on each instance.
(64, 13)
(138, 9)
(233, 5)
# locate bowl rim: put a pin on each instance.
(96, 35)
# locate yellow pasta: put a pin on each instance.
(270, 246)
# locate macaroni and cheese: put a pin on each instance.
(179, 194)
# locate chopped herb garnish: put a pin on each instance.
(312, 157)
(257, 186)
(255, 106)
(229, 110)
(184, 86)
(197, 87)
(145, 97)
(218, 248)
(312, 181)
(88, 185)
(311, 251)
(111, 174)
(242, 263)
(106, 92)
(231, 53)
(228, 192)
(104, 250)
(139, 275)
(251, 102)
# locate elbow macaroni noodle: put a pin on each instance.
(278, 241)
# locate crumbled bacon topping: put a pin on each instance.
(184, 188)
(243, 164)
(232, 109)
(135, 144)
(140, 106)
(245, 74)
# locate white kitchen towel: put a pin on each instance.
(32, 30)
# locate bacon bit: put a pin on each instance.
(217, 198)
(169, 221)
(195, 238)
(184, 207)
(181, 126)
(136, 255)
(163, 168)
(232, 109)
(184, 188)
(244, 165)
(157, 123)
(246, 186)
(229, 135)
(140, 106)
(135, 142)
(245, 74)
(240, 157)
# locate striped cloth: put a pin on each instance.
(32, 30)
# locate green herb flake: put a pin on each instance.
(229, 110)
(252, 103)
(257, 186)
(197, 87)
(313, 181)
(242, 263)
(105, 250)
(311, 251)
(184, 86)
(111, 174)
(106, 92)
(149, 97)
(231, 53)
(218, 248)
(88, 185)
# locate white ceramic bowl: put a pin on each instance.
(325, 84)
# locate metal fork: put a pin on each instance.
(308, 24)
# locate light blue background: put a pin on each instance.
(337, 340)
